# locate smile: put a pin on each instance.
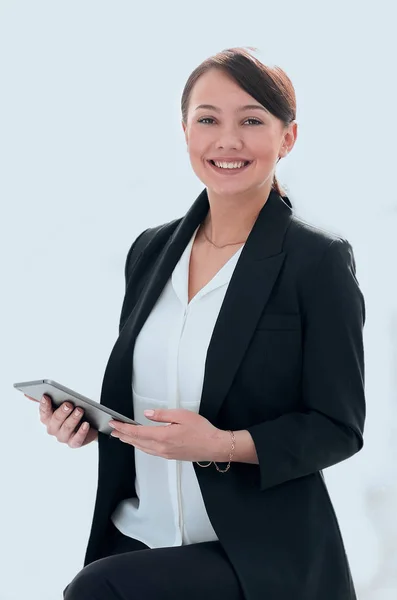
(225, 171)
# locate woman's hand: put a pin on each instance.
(63, 421)
(188, 436)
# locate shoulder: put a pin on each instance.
(324, 267)
(150, 239)
(310, 237)
(316, 254)
(309, 246)
(158, 231)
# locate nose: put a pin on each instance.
(229, 141)
(229, 137)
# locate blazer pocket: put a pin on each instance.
(278, 321)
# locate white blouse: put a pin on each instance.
(168, 372)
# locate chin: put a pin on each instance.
(227, 191)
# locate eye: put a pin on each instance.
(256, 121)
(211, 119)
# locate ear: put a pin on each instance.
(291, 135)
(184, 127)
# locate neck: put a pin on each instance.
(230, 219)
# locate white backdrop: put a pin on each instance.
(92, 152)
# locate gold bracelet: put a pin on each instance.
(230, 457)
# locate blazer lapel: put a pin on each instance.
(249, 289)
(248, 292)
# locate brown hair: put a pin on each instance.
(270, 86)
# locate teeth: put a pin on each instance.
(225, 165)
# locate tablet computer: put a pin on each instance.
(97, 415)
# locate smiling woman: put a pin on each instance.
(270, 120)
(241, 327)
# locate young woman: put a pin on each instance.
(241, 328)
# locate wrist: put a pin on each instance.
(223, 446)
(245, 450)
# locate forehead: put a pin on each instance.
(216, 87)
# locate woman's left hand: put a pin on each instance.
(189, 436)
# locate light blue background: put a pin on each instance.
(92, 152)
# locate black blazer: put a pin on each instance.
(286, 363)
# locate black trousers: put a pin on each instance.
(132, 571)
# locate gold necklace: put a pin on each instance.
(224, 245)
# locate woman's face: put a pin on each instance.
(231, 132)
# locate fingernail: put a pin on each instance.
(84, 426)
(44, 401)
(149, 413)
(66, 408)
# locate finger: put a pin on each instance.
(58, 417)
(138, 446)
(69, 425)
(45, 409)
(133, 431)
(30, 398)
(151, 447)
(127, 439)
(78, 438)
(166, 415)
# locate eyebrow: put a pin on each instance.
(239, 109)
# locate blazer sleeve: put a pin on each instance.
(330, 426)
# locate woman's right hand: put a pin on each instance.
(62, 423)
